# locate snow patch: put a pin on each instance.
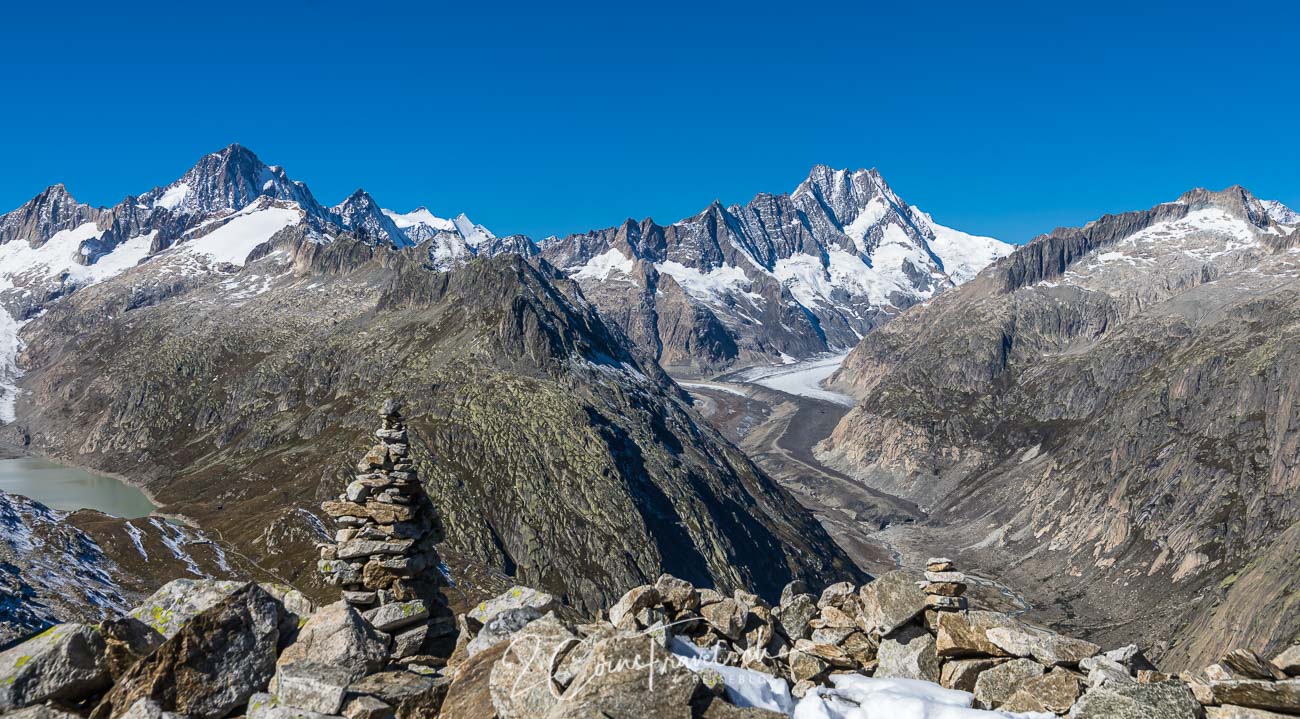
(233, 241)
(858, 697)
(173, 197)
(419, 216)
(137, 538)
(1280, 213)
(603, 265)
(709, 287)
(963, 255)
(10, 347)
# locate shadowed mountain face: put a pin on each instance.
(1111, 413)
(241, 395)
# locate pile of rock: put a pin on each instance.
(209, 649)
(384, 555)
(944, 585)
(805, 645)
(1245, 686)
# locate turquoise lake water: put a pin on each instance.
(69, 488)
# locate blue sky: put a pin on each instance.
(1003, 119)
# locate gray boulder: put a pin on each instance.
(388, 617)
(212, 665)
(522, 683)
(995, 686)
(313, 686)
(908, 654)
(500, 628)
(1235, 712)
(792, 616)
(1047, 647)
(267, 706)
(1166, 700)
(727, 617)
(889, 602)
(336, 634)
(1103, 671)
(1052, 692)
(40, 711)
(635, 600)
(961, 674)
(623, 679)
(678, 595)
(412, 696)
(964, 634)
(126, 641)
(180, 600)
(65, 663)
(514, 598)
(1281, 696)
(1289, 660)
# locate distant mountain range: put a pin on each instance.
(784, 276)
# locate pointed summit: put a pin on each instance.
(229, 180)
(361, 215)
(50, 211)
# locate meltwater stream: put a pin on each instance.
(69, 488)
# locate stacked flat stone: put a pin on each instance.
(944, 585)
(384, 554)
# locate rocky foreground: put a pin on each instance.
(209, 649)
(902, 646)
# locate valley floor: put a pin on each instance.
(776, 415)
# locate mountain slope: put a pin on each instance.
(1111, 413)
(241, 398)
(785, 275)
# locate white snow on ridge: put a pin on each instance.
(1280, 213)
(1221, 233)
(54, 263)
(603, 265)
(474, 235)
(419, 216)
(173, 197)
(963, 255)
(241, 234)
(709, 287)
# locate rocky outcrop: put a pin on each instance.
(1106, 418)
(212, 664)
(667, 649)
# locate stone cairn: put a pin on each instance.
(384, 555)
(944, 586)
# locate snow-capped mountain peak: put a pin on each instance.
(820, 266)
(1280, 213)
(474, 235)
(362, 216)
(420, 216)
(229, 180)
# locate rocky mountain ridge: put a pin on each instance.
(1108, 414)
(785, 275)
(788, 275)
